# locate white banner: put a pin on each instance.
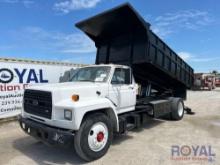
(15, 77)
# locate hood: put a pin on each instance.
(63, 91)
(61, 86)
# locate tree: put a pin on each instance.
(215, 72)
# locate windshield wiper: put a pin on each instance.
(87, 80)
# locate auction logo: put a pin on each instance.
(22, 75)
(6, 75)
(195, 153)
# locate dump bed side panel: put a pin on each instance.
(167, 60)
(123, 37)
(151, 59)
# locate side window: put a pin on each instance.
(121, 76)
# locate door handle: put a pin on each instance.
(130, 87)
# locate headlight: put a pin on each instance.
(67, 114)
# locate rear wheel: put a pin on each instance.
(177, 108)
(94, 137)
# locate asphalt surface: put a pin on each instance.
(150, 145)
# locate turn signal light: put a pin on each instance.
(75, 97)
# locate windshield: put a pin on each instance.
(93, 74)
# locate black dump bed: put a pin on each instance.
(123, 37)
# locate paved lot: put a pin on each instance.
(149, 145)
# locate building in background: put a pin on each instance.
(217, 80)
(204, 81)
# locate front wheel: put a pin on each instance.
(94, 137)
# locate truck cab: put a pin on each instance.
(91, 88)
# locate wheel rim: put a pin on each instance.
(180, 109)
(98, 136)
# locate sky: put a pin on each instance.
(45, 29)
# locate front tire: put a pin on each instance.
(94, 137)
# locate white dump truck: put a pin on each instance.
(136, 75)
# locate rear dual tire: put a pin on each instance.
(94, 137)
(177, 108)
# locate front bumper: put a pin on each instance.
(45, 133)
